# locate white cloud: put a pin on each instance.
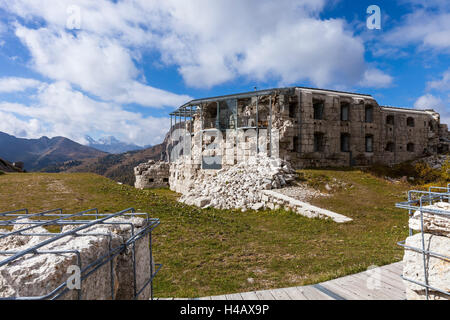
(60, 110)
(336, 59)
(216, 41)
(376, 78)
(429, 101)
(210, 42)
(425, 26)
(14, 84)
(443, 84)
(98, 65)
(18, 127)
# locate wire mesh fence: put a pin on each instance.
(85, 255)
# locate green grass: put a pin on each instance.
(212, 252)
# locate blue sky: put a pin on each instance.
(81, 67)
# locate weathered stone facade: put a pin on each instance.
(306, 127)
(152, 175)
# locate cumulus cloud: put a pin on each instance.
(428, 26)
(442, 84)
(216, 41)
(429, 101)
(98, 65)
(210, 42)
(376, 78)
(15, 84)
(61, 110)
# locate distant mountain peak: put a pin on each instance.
(111, 144)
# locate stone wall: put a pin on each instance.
(152, 175)
(289, 128)
(234, 187)
(308, 138)
(436, 239)
(38, 275)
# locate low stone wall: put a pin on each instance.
(274, 200)
(39, 274)
(152, 175)
(436, 239)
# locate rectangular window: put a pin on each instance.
(369, 114)
(345, 142)
(318, 142)
(345, 108)
(292, 109)
(369, 143)
(390, 120)
(296, 144)
(318, 106)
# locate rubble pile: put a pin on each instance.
(240, 186)
(435, 162)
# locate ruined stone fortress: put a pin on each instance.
(303, 126)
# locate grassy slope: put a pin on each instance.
(209, 252)
(118, 167)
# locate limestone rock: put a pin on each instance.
(433, 223)
(438, 269)
(235, 187)
(258, 206)
(38, 275)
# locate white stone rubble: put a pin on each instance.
(438, 270)
(432, 223)
(239, 186)
(435, 162)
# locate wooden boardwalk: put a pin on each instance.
(384, 283)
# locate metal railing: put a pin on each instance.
(22, 223)
(420, 201)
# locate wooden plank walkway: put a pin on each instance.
(384, 283)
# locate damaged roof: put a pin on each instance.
(185, 110)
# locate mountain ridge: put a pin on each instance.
(37, 154)
(111, 144)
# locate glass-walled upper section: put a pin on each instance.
(236, 113)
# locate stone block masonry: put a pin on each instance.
(36, 275)
(316, 128)
(436, 239)
(303, 127)
(152, 175)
